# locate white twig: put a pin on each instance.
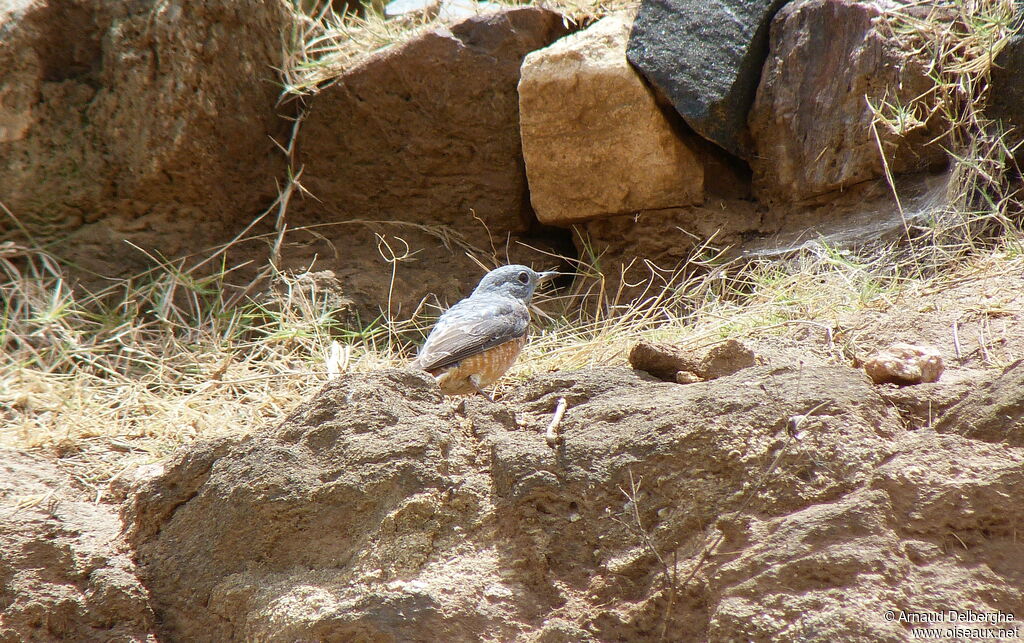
(956, 340)
(552, 435)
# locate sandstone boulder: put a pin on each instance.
(595, 142)
(811, 121)
(143, 114)
(415, 153)
(65, 574)
(706, 58)
(428, 131)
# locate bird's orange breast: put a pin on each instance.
(488, 366)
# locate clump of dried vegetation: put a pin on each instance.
(111, 379)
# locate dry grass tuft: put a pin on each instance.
(959, 42)
(114, 379)
(156, 360)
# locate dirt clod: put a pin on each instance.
(677, 364)
(904, 364)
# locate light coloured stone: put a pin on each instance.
(595, 141)
(905, 364)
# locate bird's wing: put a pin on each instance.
(472, 326)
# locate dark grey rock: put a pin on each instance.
(705, 58)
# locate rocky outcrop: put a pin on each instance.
(380, 511)
(706, 58)
(64, 572)
(595, 142)
(993, 410)
(142, 114)
(811, 120)
(359, 465)
(932, 526)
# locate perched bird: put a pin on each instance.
(475, 341)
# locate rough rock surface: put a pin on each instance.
(810, 121)
(904, 363)
(381, 511)
(706, 58)
(143, 114)
(992, 411)
(64, 574)
(595, 141)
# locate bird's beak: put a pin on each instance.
(544, 276)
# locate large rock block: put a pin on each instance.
(428, 131)
(811, 121)
(706, 58)
(64, 571)
(134, 109)
(595, 141)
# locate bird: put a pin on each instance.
(479, 338)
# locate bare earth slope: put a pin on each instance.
(381, 512)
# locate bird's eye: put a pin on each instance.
(524, 278)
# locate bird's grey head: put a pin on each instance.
(512, 281)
